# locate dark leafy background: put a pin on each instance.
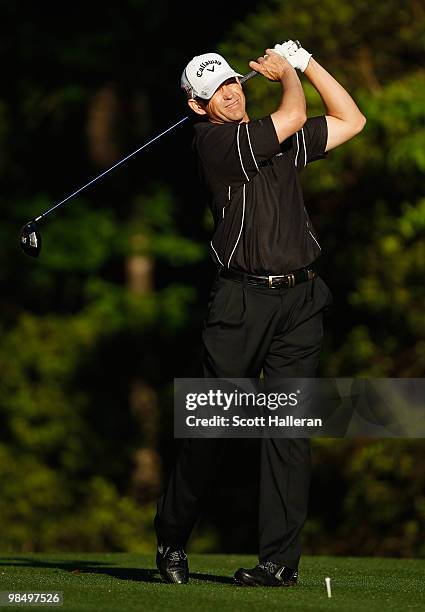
(95, 330)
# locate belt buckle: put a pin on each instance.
(290, 278)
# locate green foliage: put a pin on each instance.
(363, 46)
(156, 233)
(46, 464)
(96, 516)
(360, 483)
(72, 246)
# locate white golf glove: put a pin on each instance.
(293, 52)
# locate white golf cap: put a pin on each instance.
(204, 74)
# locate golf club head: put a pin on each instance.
(30, 239)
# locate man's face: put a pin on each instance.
(227, 103)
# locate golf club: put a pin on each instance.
(30, 237)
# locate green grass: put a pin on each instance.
(127, 582)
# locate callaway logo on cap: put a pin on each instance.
(204, 74)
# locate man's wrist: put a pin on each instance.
(290, 74)
(287, 70)
(310, 66)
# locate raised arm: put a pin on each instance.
(290, 116)
(343, 116)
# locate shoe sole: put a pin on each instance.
(166, 580)
(245, 584)
(247, 581)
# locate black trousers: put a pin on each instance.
(248, 329)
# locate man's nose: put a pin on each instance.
(227, 91)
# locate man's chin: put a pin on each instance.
(235, 116)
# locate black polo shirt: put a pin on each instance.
(261, 225)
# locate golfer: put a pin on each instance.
(266, 306)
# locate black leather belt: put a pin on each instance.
(274, 281)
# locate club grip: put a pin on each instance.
(254, 72)
(248, 76)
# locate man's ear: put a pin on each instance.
(196, 107)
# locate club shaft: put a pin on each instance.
(47, 212)
(248, 76)
(111, 168)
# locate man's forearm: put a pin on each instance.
(337, 100)
(290, 116)
(293, 98)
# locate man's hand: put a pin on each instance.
(290, 115)
(295, 54)
(272, 65)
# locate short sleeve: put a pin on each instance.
(309, 143)
(231, 153)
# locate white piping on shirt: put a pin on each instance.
(216, 254)
(305, 150)
(308, 227)
(240, 231)
(239, 151)
(298, 149)
(249, 142)
(314, 239)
